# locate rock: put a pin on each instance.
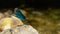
(1, 15)
(8, 23)
(23, 29)
(5, 32)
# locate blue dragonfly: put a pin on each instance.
(19, 14)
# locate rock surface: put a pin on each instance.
(23, 29)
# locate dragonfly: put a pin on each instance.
(17, 13)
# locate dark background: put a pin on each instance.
(30, 3)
